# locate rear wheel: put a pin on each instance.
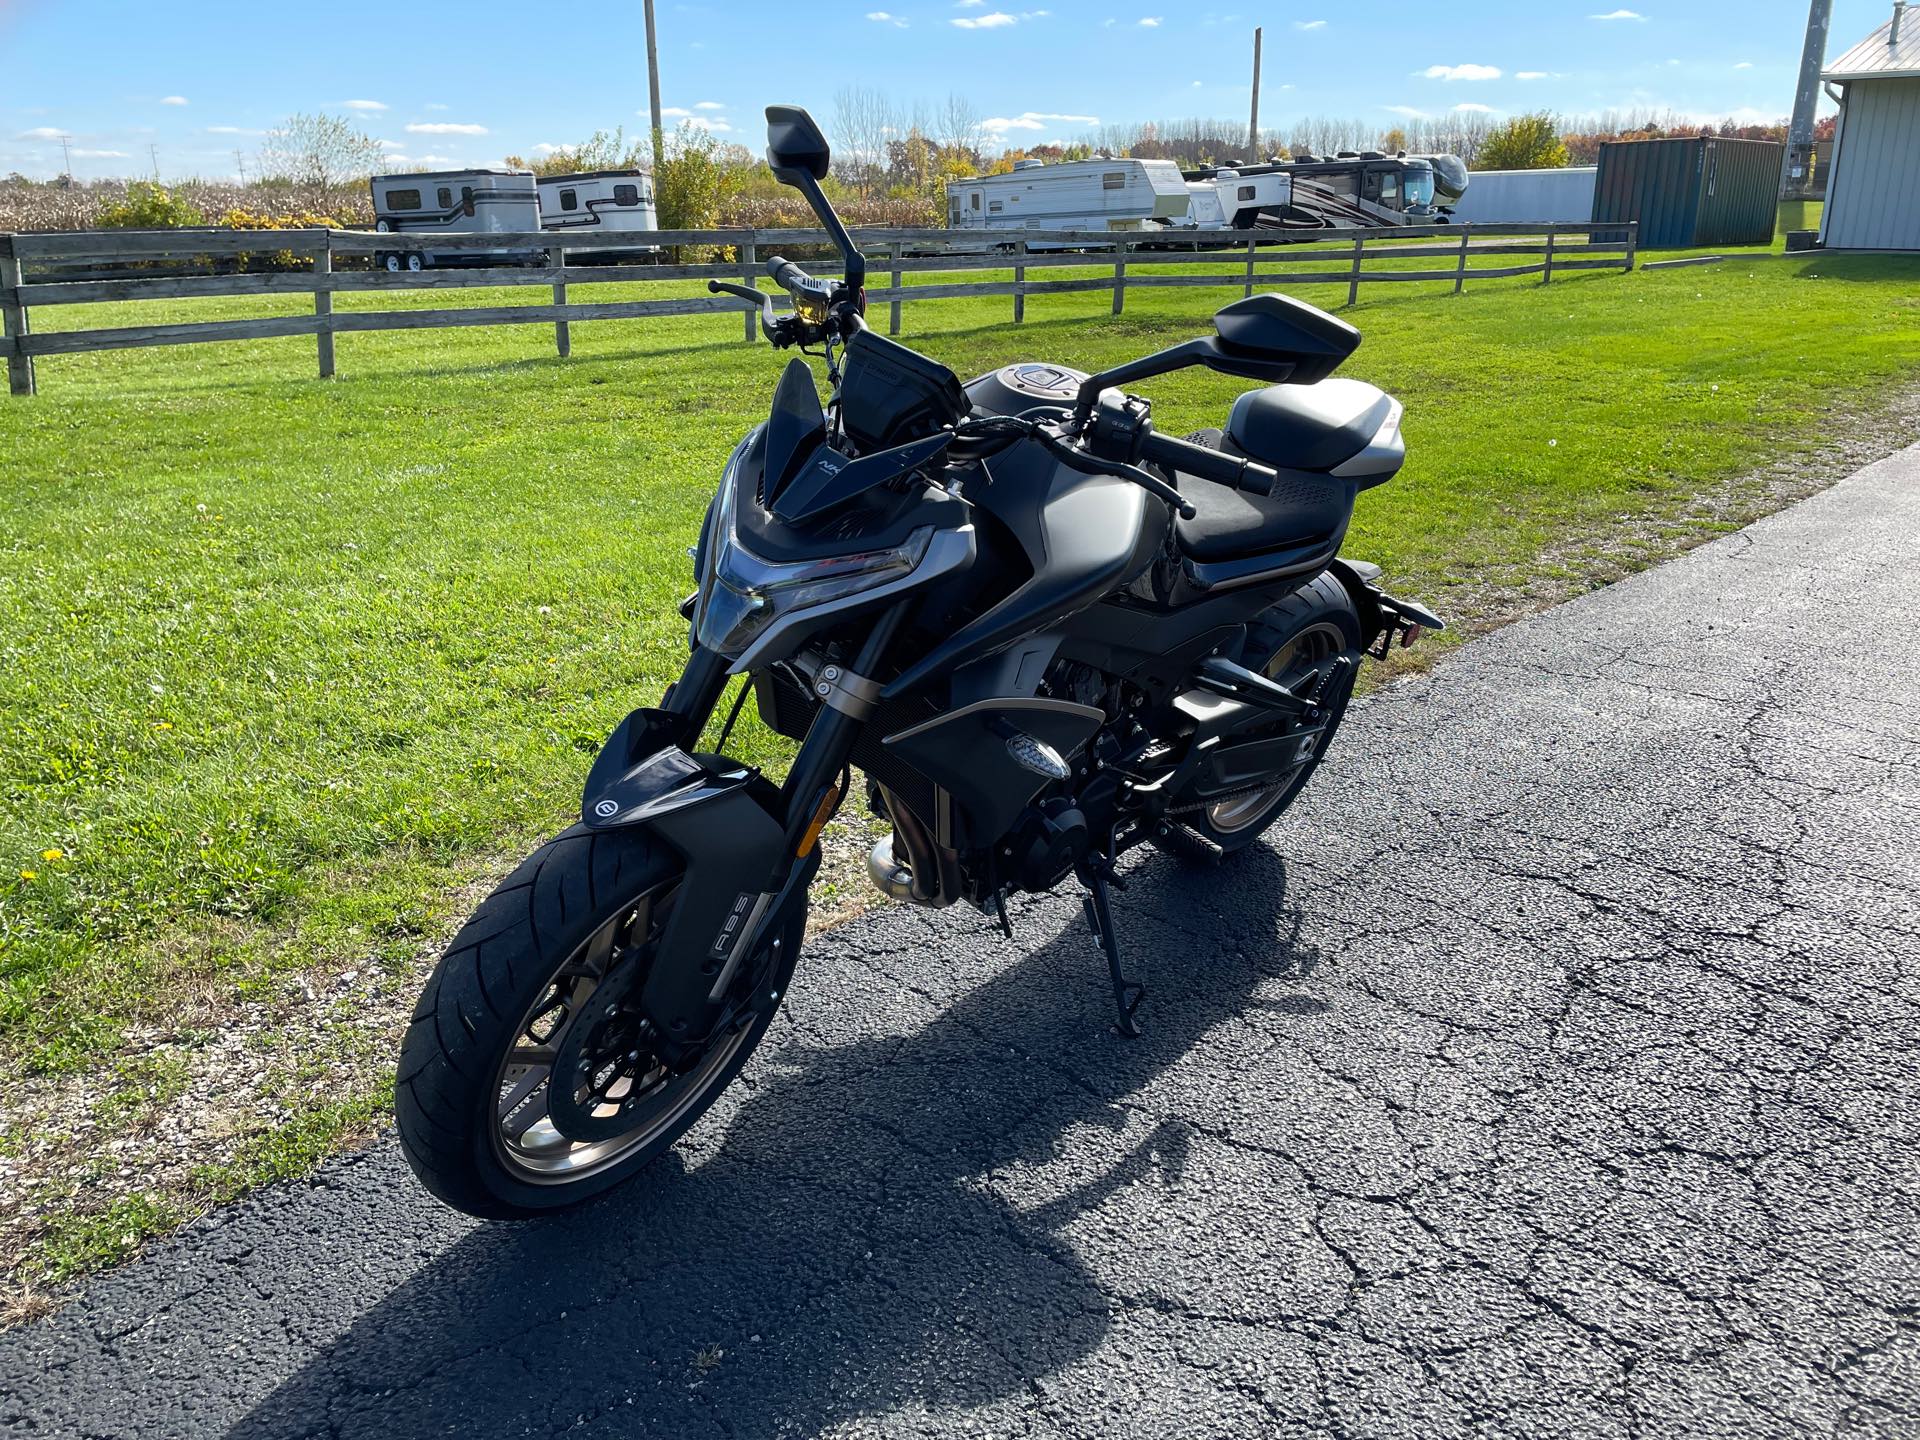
(1289, 642)
(509, 1034)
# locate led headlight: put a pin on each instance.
(742, 594)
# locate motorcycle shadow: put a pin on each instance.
(862, 1240)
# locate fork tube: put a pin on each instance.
(698, 689)
(831, 736)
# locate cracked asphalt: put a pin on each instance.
(1552, 1073)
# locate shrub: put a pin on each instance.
(149, 207)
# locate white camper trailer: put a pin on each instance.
(455, 202)
(594, 207)
(1564, 195)
(1228, 200)
(1079, 195)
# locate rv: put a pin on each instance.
(597, 206)
(1357, 189)
(1079, 195)
(456, 202)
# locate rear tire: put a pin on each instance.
(483, 1004)
(1286, 641)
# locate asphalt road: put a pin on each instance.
(1554, 1073)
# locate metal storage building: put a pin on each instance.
(1696, 190)
(1873, 194)
(1564, 195)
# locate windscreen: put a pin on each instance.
(1417, 183)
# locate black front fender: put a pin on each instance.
(723, 819)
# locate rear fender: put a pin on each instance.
(722, 818)
(1380, 612)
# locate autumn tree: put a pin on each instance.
(1526, 142)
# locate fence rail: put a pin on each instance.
(1246, 258)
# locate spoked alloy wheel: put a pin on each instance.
(527, 1082)
(1289, 642)
(1295, 661)
(590, 1063)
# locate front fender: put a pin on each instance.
(723, 819)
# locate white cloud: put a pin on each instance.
(80, 154)
(434, 160)
(547, 148)
(1409, 111)
(173, 99)
(1619, 15)
(708, 105)
(1470, 107)
(376, 105)
(232, 130)
(1196, 84)
(1744, 65)
(1033, 120)
(433, 107)
(443, 127)
(1309, 24)
(1152, 22)
(716, 124)
(1461, 72)
(993, 21)
(967, 4)
(1533, 75)
(670, 112)
(43, 132)
(885, 18)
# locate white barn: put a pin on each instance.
(1873, 193)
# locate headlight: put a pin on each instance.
(742, 594)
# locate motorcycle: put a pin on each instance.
(1042, 631)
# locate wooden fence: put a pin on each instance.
(327, 263)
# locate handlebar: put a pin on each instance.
(1215, 465)
(787, 275)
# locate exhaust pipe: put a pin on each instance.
(890, 877)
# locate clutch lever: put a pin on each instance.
(746, 292)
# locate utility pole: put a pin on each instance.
(1798, 169)
(66, 156)
(653, 86)
(153, 153)
(240, 166)
(1253, 122)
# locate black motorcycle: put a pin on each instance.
(1043, 633)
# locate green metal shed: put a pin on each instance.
(1697, 190)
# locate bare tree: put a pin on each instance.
(863, 122)
(319, 152)
(958, 125)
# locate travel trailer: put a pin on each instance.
(456, 202)
(596, 206)
(1564, 196)
(1079, 195)
(1229, 200)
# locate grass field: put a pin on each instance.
(291, 665)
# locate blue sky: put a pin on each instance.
(467, 84)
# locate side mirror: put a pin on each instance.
(795, 145)
(1278, 327)
(1248, 364)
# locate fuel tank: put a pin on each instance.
(1026, 385)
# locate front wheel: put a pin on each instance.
(507, 1032)
(1288, 642)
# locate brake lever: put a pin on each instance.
(1088, 463)
(768, 317)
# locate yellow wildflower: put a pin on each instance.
(55, 853)
(29, 875)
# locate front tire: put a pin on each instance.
(470, 1095)
(1286, 643)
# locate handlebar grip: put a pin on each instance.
(785, 273)
(1215, 465)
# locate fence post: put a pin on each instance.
(323, 305)
(1460, 267)
(1019, 280)
(1353, 279)
(13, 315)
(1251, 243)
(1633, 234)
(749, 265)
(1119, 275)
(893, 310)
(1546, 272)
(562, 336)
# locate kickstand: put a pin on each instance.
(1000, 913)
(1098, 907)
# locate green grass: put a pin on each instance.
(287, 662)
